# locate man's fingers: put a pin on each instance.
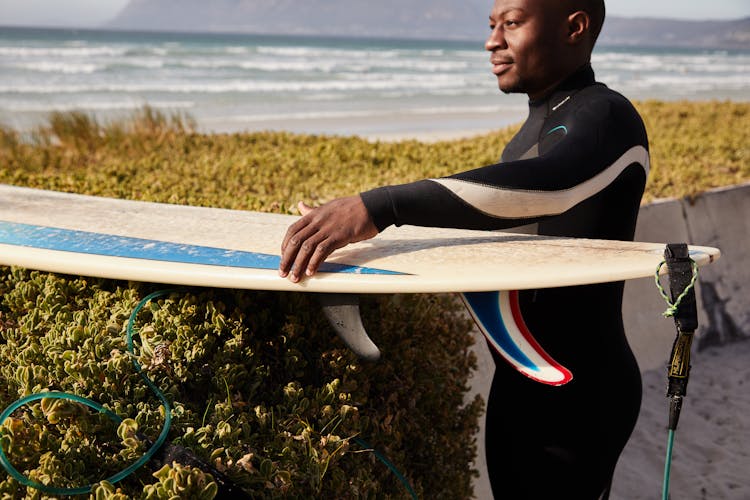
(304, 209)
(290, 231)
(321, 253)
(306, 250)
(296, 236)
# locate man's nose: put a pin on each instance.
(496, 40)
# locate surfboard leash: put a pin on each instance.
(683, 275)
(160, 450)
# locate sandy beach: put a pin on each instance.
(425, 125)
(712, 446)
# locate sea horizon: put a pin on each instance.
(375, 87)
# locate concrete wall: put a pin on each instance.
(719, 218)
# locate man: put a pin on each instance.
(576, 168)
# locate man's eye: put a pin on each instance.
(492, 27)
(510, 22)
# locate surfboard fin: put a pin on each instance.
(498, 316)
(342, 311)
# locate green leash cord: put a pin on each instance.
(679, 367)
(92, 404)
(390, 466)
(667, 466)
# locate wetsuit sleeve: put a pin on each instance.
(593, 146)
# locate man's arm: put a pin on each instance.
(498, 196)
(598, 143)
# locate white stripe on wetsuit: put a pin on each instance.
(520, 203)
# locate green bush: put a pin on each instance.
(260, 386)
(696, 146)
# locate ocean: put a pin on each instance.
(370, 87)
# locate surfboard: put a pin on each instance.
(210, 247)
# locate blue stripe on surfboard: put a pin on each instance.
(84, 242)
(486, 307)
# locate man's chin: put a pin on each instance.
(510, 86)
(511, 89)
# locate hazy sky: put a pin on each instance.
(87, 13)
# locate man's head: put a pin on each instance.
(535, 44)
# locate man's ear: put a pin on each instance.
(578, 27)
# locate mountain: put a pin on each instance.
(384, 18)
(443, 19)
(673, 33)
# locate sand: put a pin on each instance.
(711, 457)
(389, 126)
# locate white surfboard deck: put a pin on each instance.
(182, 245)
(162, 243)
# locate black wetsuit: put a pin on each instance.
(578, 168)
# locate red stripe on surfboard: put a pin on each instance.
(515, 308)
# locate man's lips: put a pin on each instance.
(499, 66)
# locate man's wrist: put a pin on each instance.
(380, 207)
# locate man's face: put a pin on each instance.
(526, 41)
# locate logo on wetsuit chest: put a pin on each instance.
(560, 128)
(552, 138)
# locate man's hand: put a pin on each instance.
(320, 231)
